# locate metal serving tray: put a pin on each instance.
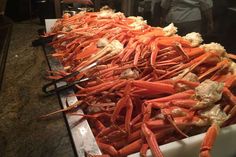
(81, 134)
(84, 141)
(189, 147)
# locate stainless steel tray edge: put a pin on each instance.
(82, 137)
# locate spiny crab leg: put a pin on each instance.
(143, 150)
(108, 149)
(182, 95)
(170, 119)
(154, 86)
(192, 64)
(180, 50)
(209, 140)
(111, 49)
(232, 56)
(221, 65)
(73, 106)
(154, 52)
(151, 140)
(124, 102)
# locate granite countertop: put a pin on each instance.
(22, 133)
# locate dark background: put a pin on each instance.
(224, 18)
(19, 10)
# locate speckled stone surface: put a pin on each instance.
(22, 133)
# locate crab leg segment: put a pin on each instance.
(154, 86)
(209, 141)
(151, 140)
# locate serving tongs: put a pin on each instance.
(51, 89)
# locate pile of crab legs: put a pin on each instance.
(150, 86)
